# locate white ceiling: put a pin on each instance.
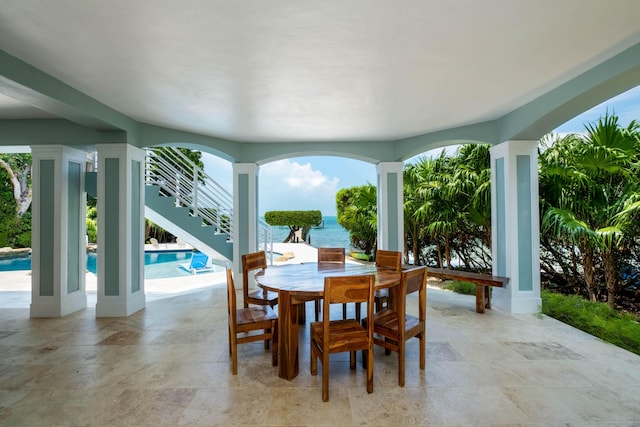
(331, 70)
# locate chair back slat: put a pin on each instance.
(415, 279)
(343, 289)
(391, 260)
(331, 255)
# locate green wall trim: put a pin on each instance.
(501, 226)
(523, 165)
(136, 229)
(112, 227)
(73, 228)
(47, 227)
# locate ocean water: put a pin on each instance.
(330, 234)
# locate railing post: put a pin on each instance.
(195, 190)
(177, 204)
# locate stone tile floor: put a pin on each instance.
(168, 365)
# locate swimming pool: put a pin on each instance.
(157, 264)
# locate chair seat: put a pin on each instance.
(386, 323)
(262, 297)
(344, 335)
(255, 314)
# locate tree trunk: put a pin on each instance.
(447, 250)
(439, 249)
(589, 273)
(610, 277)
(22, 193)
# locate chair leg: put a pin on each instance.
(266, 342)
(365, 353)
(358, 307)
(401, 348)
(344, 311)
(234, 356)
(314, 360)
(422, 349)
(317, 307)
(274, 346)
(370, 369)
(352, 360)
(325, 376)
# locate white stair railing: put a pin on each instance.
(180, 178)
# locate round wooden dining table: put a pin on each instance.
(299, 283)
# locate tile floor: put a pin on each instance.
(168, 365)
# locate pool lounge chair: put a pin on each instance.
(198, 264)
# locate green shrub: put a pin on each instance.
(595, 318)
(461, 287)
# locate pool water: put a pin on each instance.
(157, 265)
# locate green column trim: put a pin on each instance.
(73, 227)
(47, 227)
(112, 224)
(243, 213)
(392, 212)
(501, 226)
(523, 172)
(136, 230)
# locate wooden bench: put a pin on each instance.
(482, 282)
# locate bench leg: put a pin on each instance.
(480, 299)
(487, 297)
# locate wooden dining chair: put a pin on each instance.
(250, 262)
(392, 328)
(391, 260)
(328, 256)
(248, 325)
(337, 336)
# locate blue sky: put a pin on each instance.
(307, 183)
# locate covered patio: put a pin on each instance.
(257, 82)
(254, 82)
(168, 365)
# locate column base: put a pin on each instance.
(520, 304)
(53, 307)
(118, 307)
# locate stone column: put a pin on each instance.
(245, 211)
(120, 230)
(59, 251)
(515, 225)
(390, 206)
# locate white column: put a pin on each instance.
(59, 251)
(390, 206)
(515, 226)
(120, 230)
(245, 211)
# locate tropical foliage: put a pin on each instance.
(356, 209)
(448, 209)
(15, 200)
(590, 207)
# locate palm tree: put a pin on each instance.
(440, 208)
(357, 213)
(414, 225)
(591, 193)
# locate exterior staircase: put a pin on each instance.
(181, 198)
(180, 221)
